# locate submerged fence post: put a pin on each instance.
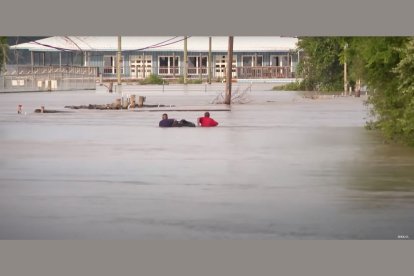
(132, 101)
(141, 100)
(49, 85)
(209, 60)
(118, 103)
(227, 98)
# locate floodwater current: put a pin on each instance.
(279, 167)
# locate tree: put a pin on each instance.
(405, 69)
(385, 64)
(378, 58)
(3, 52)
(321, 67)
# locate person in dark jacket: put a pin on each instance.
(206, 121)
(165, 122)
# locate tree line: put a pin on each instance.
(384, 64)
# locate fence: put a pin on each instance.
(265, 72)
(172, 72)
(48, 78)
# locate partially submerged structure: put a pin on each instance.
(255, 57)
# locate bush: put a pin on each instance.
(294, 86)
(189, 81)
(3, 52)
(153, 79)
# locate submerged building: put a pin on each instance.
(254, 57)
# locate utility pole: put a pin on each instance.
(209, 60)
(32, 62)
(118, 65)
(185, 60)
(227, 99)
(345, 72)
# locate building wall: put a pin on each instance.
(96, 58)
(24, 57)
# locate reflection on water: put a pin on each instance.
(281, 167)
(382, 167)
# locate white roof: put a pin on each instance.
(156, 43)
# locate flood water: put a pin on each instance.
(280, 167)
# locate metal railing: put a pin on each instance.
(48, 78)
(257, 72)
(265, 72)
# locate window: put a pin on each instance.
(281, 60)
(39, 58)
(197, 65)
(110, 64)
(250, 61)
(220, 66)
(168, 65)
(141, 66)
(282, 63)
(259, 61)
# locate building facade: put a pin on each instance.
(253, 57)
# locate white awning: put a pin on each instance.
(154, 43)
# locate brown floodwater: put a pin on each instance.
(278, 167)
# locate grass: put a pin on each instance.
(153, 79)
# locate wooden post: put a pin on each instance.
(173, 65)
(358, 89)
(118, 65)
(132, 101)
(141, 101)
(227, 99)
(124, 102)
(345, 72)
(32, 63)
(185, 60)
(200, 68)
(143, 63)
(209, 60)
(48, 85)
(118, 103)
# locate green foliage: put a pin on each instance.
(374, 58)
(385, 64)
(189, 81)
(293, 86)
(153, 79)
(3, 52)
(321, 67)
(405, 95)
(379, 63)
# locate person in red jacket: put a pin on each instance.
(206, 121)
